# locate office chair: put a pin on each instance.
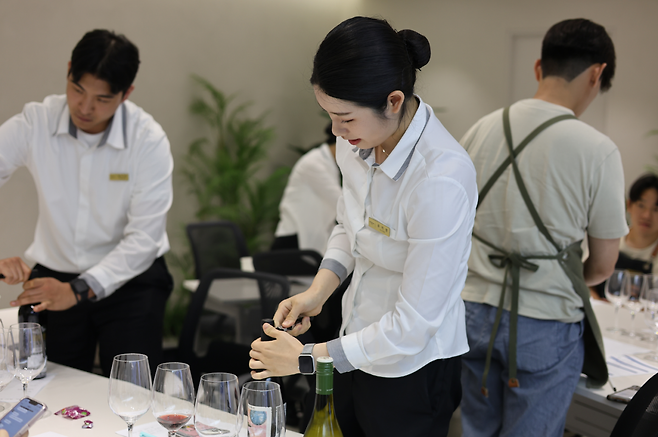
(202, 343)
(216, 244)
(288, 262)
(640, 417)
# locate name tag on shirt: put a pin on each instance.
(118, 176)
(379, 227)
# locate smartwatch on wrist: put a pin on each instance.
(80, 288)
(306, 360)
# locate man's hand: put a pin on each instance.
(53, 295)
(15, 270)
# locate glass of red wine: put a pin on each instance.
(173, 396)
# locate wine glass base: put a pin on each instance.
(614, 330)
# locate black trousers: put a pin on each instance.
(129, 320)
(419, 404)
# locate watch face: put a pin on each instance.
(306, 364)
(79, 286)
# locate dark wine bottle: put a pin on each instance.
(323, 422)
(26, 314)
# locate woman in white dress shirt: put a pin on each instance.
(404, 229)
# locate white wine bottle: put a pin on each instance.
(323, 422)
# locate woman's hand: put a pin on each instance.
(277, 357)
(306, 304)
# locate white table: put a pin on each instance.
(74, 387)
(590, 413)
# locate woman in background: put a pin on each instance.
(639, 248)
(404, 229)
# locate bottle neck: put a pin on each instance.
(324, 382)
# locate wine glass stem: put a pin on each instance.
(130, 430)
(616, 317)
(171, 433)
(24, 389)
(632, 324)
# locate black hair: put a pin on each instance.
(572, 46)
(107, 56)
(363, 60)
(642, 184)
(330, 137)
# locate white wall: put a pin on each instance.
(264, 49)
(472, 60)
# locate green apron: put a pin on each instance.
(569, 258)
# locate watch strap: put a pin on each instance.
(80, 289)
(308, 349)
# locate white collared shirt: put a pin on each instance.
(308, 206)
(102, 209)
(403, 308)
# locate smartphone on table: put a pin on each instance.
(20, 418)
(624, 395)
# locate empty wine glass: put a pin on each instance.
(261, 407)
(28, 352)
(130, 393)
(6, 373)
(614, 292)
(649, 298)
(634, 285)
(173, 396)
(217, 404)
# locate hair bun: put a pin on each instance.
(418, 47)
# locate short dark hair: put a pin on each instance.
(642, 184)
(363, 60)
(108, 56)
(330, 137)
(572, 46)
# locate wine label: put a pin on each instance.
(379, 227)
(259, 421)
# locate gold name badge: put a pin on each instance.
(379, 227)
(118, 176)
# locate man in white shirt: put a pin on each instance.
(568, 181)
(102, 167)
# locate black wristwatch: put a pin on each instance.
(306, 361)
(80, 288)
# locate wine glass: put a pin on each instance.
(632, 290)
(130, 393)
(173, 396)
(217, 404)
(261, 407)
(28, 352)
(614, 292)
(6, 373)
(649, 299)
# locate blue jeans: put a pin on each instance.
(549, 361)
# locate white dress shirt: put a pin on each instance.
(403, 308)
(102, 209)
(308, 206)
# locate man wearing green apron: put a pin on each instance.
(546, 179)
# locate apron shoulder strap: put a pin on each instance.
(508, 137)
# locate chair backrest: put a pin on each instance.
(640, 417)
(216, 244)
(288, 262)
(201, 321)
